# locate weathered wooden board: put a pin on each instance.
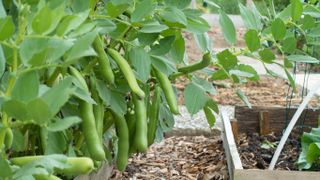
(254, 174)
(229, 145)
(248, 119)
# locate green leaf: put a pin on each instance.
(112, 99)
(163, 64)
(181, 4)
(16, 109)
(195, 98)
(82, 47)
(291, 80)
(18, 143)
(240, 73)
(141, 62)
(115, 10)
(289, 45)
(249, 69)
(2, 61)
(80, 5)
(267, 56)
(228, 29)
(177, 51)
(227, 59)
(203, 41)
(147, 38)
(71, 22)
(163, 47)
(287, 63)
(296, 9)
(56, 143)
(45, 165)
(166, 122)
(205, 85)
(143, 9)
(26, 87)
(39, 111)
(243, 98)
(278, 29)
(50, 49)
(210, 116)
(252, 40)
(313, 152)
(42, 20)
(119, 31)
(83, 94)
(196, 24)
(7, 28)
(152, 27)
(6, 171)
(285, 14)
(213, 105)
(105, 26)
(219, 75)
(174, 17)
(3, 12)
(58, 95)
(83, 29)
(63, 124)
(302, 59)
(308, 22)
(251, 19)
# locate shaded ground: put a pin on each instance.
(256, 151)
(189, 158)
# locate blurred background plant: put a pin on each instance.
(231, 6)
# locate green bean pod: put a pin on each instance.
(98, 109)
(9, 138)
(89, 128)
(78, 165)
(46, 177)
(154, 115)
(93, 141)
(123, 142)
(141, 134)
(75, 73)
(131, 122)
(206, 60)
(166, 86)
(104, 62)
(127, 72)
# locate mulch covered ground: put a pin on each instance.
(196, 157)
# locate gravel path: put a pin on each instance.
(185, 124)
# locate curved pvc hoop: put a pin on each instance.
(291, 125)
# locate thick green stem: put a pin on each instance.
(53, 76)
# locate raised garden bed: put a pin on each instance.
(254, 125)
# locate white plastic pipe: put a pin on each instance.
(291, 125)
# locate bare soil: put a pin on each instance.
(182, 158)
(254, 155)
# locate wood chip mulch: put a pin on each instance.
(184, 158)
